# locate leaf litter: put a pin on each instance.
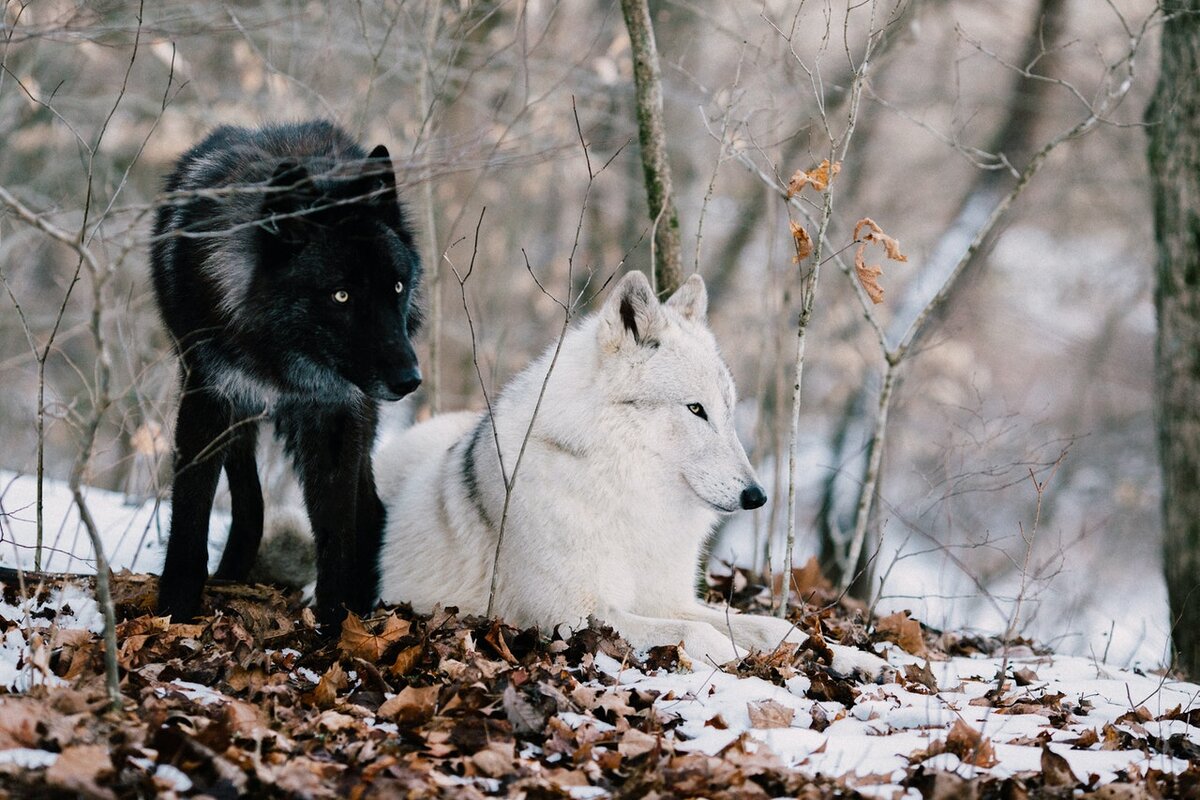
(253, 700)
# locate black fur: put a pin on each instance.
(262, 232)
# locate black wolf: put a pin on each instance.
(284, 269)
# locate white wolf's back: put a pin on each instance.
(399, 458)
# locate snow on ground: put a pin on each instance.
(871, 741)
(134, 532)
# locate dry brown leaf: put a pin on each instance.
(406, 660)
(819, 177)
(78, 768)
(496, 760)
(970, 745)
(334, 680)
(922, 676)
(1056, 771)
(413, 705)
(635, 743)
(616, 702)
(1024, 676)
(521, 714)
(904, 631)
(868, 274)
(809, 578)
(359, 642)
(802, 241)
(770, 714)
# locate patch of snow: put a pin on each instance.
(134, 532)
(173, 777)
(887, 724)
(27, 758)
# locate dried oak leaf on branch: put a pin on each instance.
(868, 274)
(819, 177)
(802, 241)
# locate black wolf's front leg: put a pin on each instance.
(368, 525)
(246, 528)
(327, 450)
(202, 431)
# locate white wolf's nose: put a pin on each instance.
(753, 496)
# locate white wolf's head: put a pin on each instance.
(661, 367)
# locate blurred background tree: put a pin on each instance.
(1174, 131)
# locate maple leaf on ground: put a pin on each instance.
(358, 641)
(819, 177)
(868, 274)
(78, 768)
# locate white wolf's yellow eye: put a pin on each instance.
(399, 287)
(341, 296)
(698, 410)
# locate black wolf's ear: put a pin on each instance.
(690, 299)
(378, 175)
(289, 193)
(631, 314)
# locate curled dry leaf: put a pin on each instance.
(819, 177)
(802, 241)
(868, 274)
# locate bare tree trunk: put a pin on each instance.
(1174, 155)
(647, 78)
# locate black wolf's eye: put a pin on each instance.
(341, 296)
(399, 287)
(697, 409)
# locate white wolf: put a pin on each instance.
(630, 462)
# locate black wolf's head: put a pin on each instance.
(333, 288)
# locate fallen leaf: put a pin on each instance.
(770, 714)
(412, 705)
(819, 177)
(809, 578)
(904, 631)
(333, 681)
(522, 714)
(970, 745)
(1024, 676)
(406, 659)
(357, 641)
(1056, 771)
(635, 743)
(78, 768)
(922, 676)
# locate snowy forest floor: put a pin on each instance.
(252, 699)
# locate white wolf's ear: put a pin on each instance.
(691, 299)
(630, 314)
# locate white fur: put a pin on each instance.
(619, 487)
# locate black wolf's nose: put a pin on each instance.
(753, 496)
(406, 382)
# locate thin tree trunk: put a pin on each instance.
(647, 78)
(1016, 141)
(1174, 156)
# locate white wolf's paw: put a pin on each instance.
(852, 661)
(707, 650)
(287, 555)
